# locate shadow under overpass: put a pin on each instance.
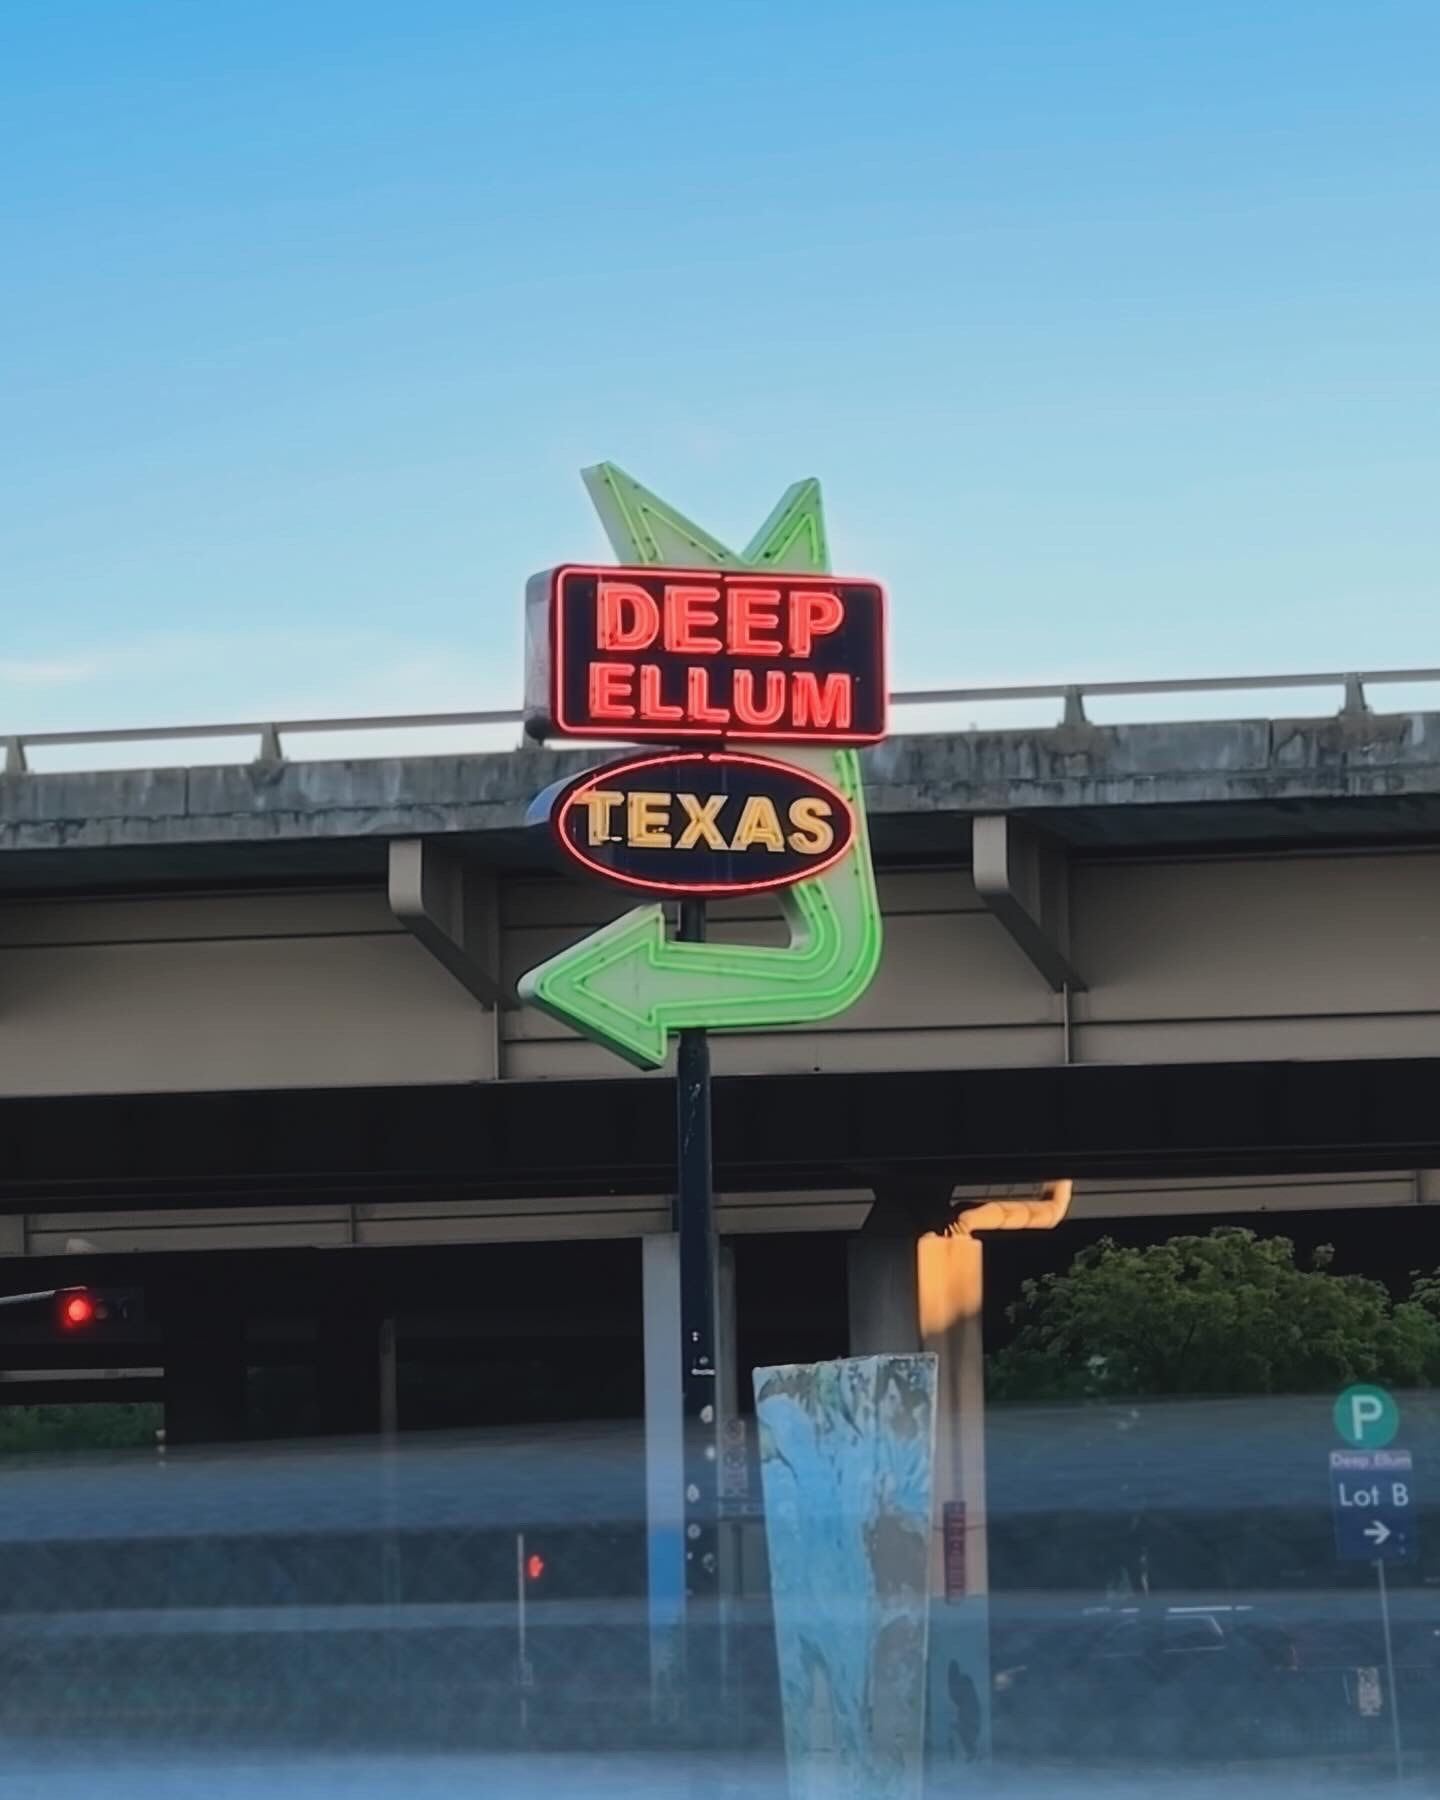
(771, 1132)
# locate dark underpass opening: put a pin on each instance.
(377, 1463)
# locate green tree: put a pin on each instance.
(1425, 1293)
(1425, 1290)
(100, 1425)
(1226, 1313)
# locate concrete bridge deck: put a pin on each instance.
(207, 996)
(1340, 778)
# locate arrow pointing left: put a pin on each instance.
(630, 986)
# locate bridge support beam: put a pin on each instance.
(916, 1286)
(1023, 880)
(204, 1392)
(917, 1282)
(453, 908)
(348, 1381)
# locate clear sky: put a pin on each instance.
(1111, 326)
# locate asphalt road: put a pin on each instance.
(613, 1778)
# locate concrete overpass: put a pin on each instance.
(266, 1006)
(1073, 914)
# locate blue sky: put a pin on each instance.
(1113, 330)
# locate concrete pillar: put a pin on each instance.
(348, 1391)
(884, 1298)
(912, 1289)
(389, 1380)
(951, 1288)
(951, 1291)
(205, 1380)
(387, 1371)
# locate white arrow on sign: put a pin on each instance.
(1379, 1533)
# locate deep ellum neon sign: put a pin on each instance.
(686, 654)
(695, 644)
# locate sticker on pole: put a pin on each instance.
(698, 823)
(954, 1528)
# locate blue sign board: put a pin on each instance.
(1372, 1493)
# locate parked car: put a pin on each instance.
(1133, 1680)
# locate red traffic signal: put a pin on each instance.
(84, 1309)
(534, 1566)
(77, 1310)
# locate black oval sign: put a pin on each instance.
(697, 823)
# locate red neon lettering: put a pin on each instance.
(652, 705)
(817, 706)
(813, 613)
(746, 711)
(626, 617)
(700, 711)
(610, 690)
(749, 610)
(687, 610)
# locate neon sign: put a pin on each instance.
(697, 653)
(698, 823)
(756, 655)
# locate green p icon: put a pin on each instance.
(1366, 1417)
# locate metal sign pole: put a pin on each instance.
(662, 647)
(1393, 1694)
(523, 1677)
(694, 1222)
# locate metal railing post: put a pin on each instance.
(1072, 695)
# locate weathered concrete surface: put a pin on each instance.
(1262, 764)
(847, 1454)
(1355, 776)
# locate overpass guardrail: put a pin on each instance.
(272, 734)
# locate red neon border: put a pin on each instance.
(757, 734)
(629, 764)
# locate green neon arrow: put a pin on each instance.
(629, 985)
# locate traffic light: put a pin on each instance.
(94, 1311)
(77, 1310)
(534, 1567)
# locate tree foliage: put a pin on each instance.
(100, 1425)
(1227, 1313)
(1425, 1291)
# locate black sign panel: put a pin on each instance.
(759, 655)
(703, 823)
